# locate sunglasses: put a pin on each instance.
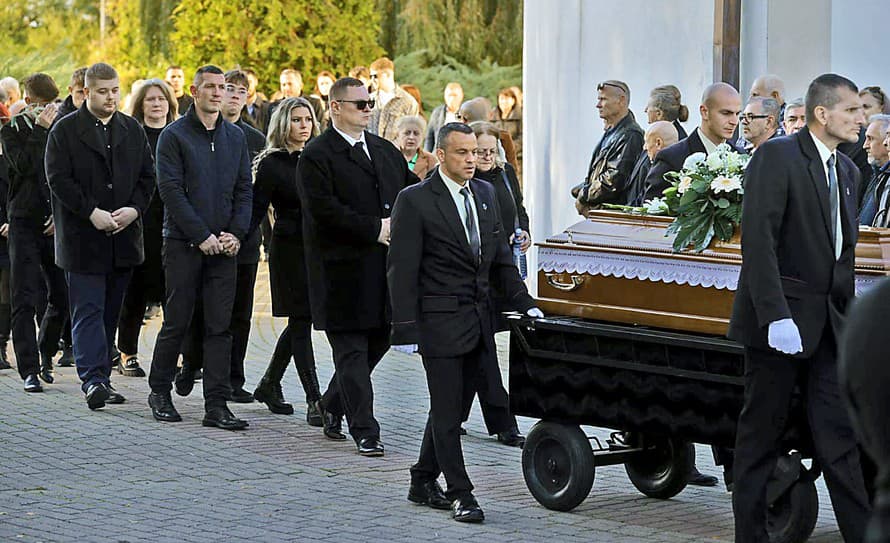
(603, 85)
(360, 104)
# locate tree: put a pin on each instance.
(138, 43)
(270, 35)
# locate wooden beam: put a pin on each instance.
(727, 36)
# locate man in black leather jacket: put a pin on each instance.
(613, 158)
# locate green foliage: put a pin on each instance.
(431, 74)
(135, 47)
(270, 35)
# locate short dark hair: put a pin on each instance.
(237, 77)
(40, 87)
(447, 129)
(99, 72)
(206, 69)
(77, 78)
(338, 89)
(823, 92)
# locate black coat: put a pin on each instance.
(788, 267)
(860, 158)
(82, 178)
(343, 202)
(4, 219)
(150, 274)
(670, 159)
(510, 200)
(24, 148)
(276, 184)
(256, 142)
(441, 298)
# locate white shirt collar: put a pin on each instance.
(349, 139)
(710, 146)
(824, 152)
(453, 186)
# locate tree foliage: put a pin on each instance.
(270, 35)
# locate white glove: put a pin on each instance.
(784, 336)
(407, 349)
(535, 313)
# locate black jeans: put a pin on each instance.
(350, 393)
(190, 274)
(242, 312)
(95, 307)
(33, 272)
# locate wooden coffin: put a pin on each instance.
(620, 268)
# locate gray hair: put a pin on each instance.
(413, 120)
(883, 121)
(770, 106)
(667, 103)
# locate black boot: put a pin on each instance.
(269, 390)
(46, 369)
(4, 336)
(309, 379)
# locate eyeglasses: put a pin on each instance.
(360, 104)
(748, 117)
(485, 152)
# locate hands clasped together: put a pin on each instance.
(111, 222)
(226, 244)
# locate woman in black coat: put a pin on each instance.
(154, 107)
(275, 182)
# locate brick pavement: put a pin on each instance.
(68, 474)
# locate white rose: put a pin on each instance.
(693, 160)
(685, 183)
(723, 148)
(715, 161)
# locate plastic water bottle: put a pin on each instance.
(518, 256)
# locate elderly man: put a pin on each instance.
(608, 176)
(661, 134)
(771, 86)
(873, 211)
(795, 116)
(760, 121)
(720, 107)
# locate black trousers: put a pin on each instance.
(452, 384)
(132, 315)
(187, 270)
(239, 328)
(33, 272)
(770, 378)
(350, 393)
(496, 408)
(95, 308)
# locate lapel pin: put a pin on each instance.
(848, 191)
(484, 207)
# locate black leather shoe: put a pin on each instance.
(241, 396)
(67, 358)
(32, 384)
(198, 374)
(221, 417)
(46, 369)
(313, 417)
(96, 396)
(4, 357)
(428, 493)
(370, 446)
(270, 394)
(512, 438)
(114, 397)
(466, 510)
(331, 425)
(184, 382)
(697, 478)
(162, 407)
(129, 367)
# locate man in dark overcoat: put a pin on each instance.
(348, 180)
(100, 170)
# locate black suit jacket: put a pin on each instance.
(670, 159)
(788, 266)
(83, 175)
(441, 298)
(343, 200)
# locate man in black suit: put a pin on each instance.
(720, 108)
(447, 249)
(797, 278)
(348, 180)
(100, 170)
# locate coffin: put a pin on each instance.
(617, 267)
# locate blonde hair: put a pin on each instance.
(279, 127)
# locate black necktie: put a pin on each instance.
(358, 152)
(833, 205)
(470, 223)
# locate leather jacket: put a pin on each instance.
(608, 176)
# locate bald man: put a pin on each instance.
(719, 109)
(661, 134)
(767, 86)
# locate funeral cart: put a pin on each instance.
(634, 340)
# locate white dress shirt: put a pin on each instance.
(454, 188)
(352, 141)
(824, 154)
(710, 146)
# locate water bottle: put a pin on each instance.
(518, 256)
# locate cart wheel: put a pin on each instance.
(661, 472)
(792, 517)
(557, 464)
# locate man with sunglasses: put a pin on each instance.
(608, 176)
(759, 121)
(348, 180)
